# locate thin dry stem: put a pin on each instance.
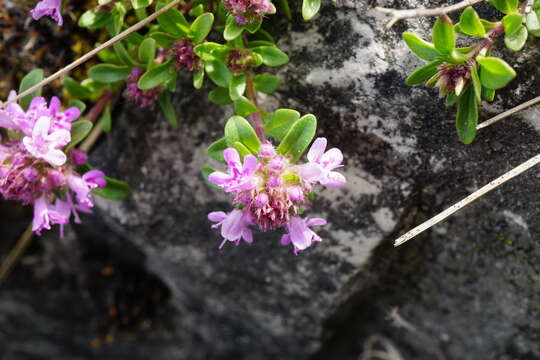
(89, 55)
(508, 113)
(469, 199)
(16, 253)
(397, 15)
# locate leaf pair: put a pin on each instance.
(295, 133)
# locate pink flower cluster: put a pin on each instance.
(271, 193)
(50, 8)
(247, 11)
(184, 56)
(145, 98)
(34, 169)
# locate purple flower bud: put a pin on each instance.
(48, 8)
(261, 200)
(30, 174)
(267, 150)
(295, 193)
(79, 157)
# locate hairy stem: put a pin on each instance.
(256, 118)
(469, 199)
(15, 254)
(397, 15)
(89, 55)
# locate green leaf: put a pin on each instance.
(114, 189)
(232, 29)
(423, 49)
(156, 76)
(488, 94)
(242, 149)
(298, 138)
(147, 51)
(108, 56)
(253, 26)
(238, 129)
(244, 107)
(495, 73)
(218, 72)
(470, 23)
(237, 86)
(196, 10)
(444, 37)
(467, 116)
(310, 8)
(505, 6)
(109, 73)
(476, 83)
(163, 39)
(123, 54)
(266, 83)
(220, 96)
(280, 123)
(140, 4)
(451, 99)
(215, 150)
(205, 50)
(285, 8)
(164, 101)
(517, 40)
(512, 23)
(32, 78)
(271, 55)
(198, 78)
(93, 19)
(533, 23)
(79, 130)
(201, 27)
(106, 120)
(78, 104)
(173, 22)
(206, 170)
(424, 73)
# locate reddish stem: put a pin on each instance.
(256, 118)
(98, 107)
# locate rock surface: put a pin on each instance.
(469, 286)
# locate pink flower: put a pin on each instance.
(320, 165)
(234, 225)
(300, 235)
(43, 145)
(48, 8)
(240, 177)
(82, 186)
(45, 215)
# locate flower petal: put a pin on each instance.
(217, 216)
(316, 222)
(317, 149)
(55, 157)
(218, 178)
(335, 180)
(247, 234)
(299, 233)
(250, 164)
(332, 158)
(232, 157)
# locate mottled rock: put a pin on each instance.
(470, 283)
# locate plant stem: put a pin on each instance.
(92, 53)
(469, 199)
(411, 13)
(97, 109)
(256, 118)
(15, 254)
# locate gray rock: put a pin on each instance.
(469, 284)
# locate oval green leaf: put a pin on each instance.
(109, 73)
(423, 49)
(34, 77)
(444, 37)
(201, 27)
(238, 129)
(495, 73)
(298, 138)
